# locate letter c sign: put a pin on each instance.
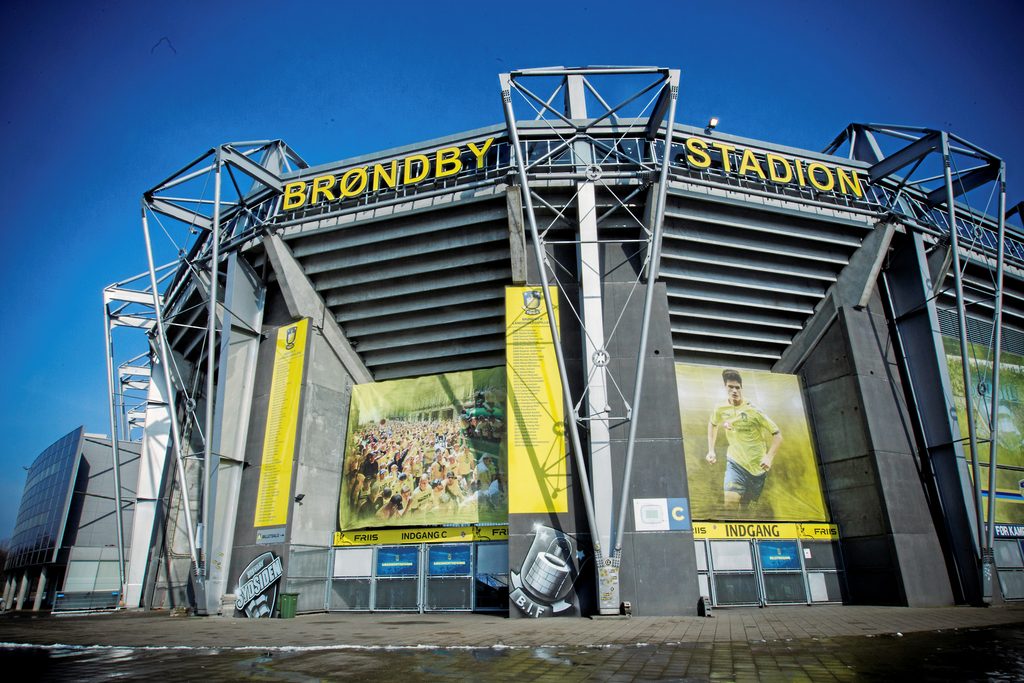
(679, 514)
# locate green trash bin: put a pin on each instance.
(286, 605)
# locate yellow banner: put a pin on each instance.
(282, 422)
(809, 531)
(448, 534)
(536, 438)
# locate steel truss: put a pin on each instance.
(570, 180)
(184, 296)
(934, 196)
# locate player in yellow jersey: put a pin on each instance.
(754, 440)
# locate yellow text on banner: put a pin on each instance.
(808, 531)
(536, 437)
(282, 421)
(447, 534)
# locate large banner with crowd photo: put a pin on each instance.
(1010, 416)
(426, 451)
(747, 442)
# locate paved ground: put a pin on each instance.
(821, 643)
(477, 630)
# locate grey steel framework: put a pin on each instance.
(587, 155)
(939, 204)
(187, 296)
(588, 177)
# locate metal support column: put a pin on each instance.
(211, 368)
(165, 363)
(653, 268)
(988, 565)
(115, 455)
(961, 315)
(588, 258)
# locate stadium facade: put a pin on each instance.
(585, 361)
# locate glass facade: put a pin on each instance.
(44, 503)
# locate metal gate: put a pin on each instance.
(429, 577)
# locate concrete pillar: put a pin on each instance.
(22, 590)
(40, 588)
(8, 590)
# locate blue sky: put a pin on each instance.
(102, 100)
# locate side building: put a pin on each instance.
(64, 550)
(586, 361)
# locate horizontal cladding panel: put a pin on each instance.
(186, 331)
(358, 235)
(687, 346)
(441, 349)
(737, 361)
(798, 230)
(425, 266)
(496, 273)
(759, 268)
(473, 300)
(718, 282)
(439, 334)
(426, 317)
(677, 234)
(192, 302)
(438, 364)
(695, 310)
(984, 284)
(724, 330)
(980, 331)
(736, 201)
(483, 235)
(795, 252)
(737, 300)
(981, 308)
(975, 291)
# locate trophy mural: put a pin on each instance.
(544, 582)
